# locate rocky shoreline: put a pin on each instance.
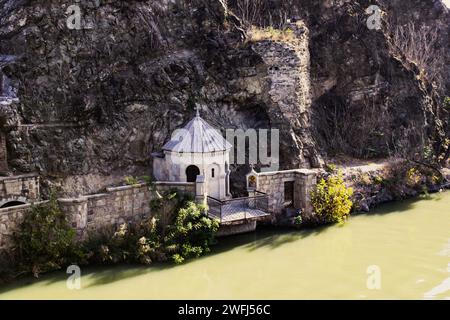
(376, 184)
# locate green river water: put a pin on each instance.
(408, 242)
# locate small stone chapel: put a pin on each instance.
(196, 153)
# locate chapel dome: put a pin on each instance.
(197, 137)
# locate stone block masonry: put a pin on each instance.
(92, 212)
(227, 230)
(289, 89)
(10, 218)
(118, 205)
(3, 153)
(273, 184)
(22, 188)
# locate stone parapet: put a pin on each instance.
(273, 184)
(92, 212)
(20, 188)
(10, 218)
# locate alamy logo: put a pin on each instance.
(374, 20)
(75, 17)
(258, 147)
(263, 146)
(374, 278)
(74, 280)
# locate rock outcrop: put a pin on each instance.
(95, 101)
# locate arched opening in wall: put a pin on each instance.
(12, 204)
(191, 173)
(289, 194)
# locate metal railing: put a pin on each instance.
(239, 208)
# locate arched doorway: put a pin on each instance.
(12, 204)
(191, 173)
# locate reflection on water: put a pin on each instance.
(408, 242)
(446, 250)
(442, 288)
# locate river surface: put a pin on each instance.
(399, 251)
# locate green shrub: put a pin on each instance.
(45, 240)
(331, 199)
(298, 220)
(404, 179)
(147, 180)
(177, 231)
(191, 234)
(165, 207)
(364, 179)
(447, 103)
(378, 179)
(130, 181)
(330, 168)
(127, 243)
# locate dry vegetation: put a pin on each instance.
(261, 23)
(420, 44)
(259, 34)
(149, 16)
(341, 128)
(257, 13)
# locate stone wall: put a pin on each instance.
(272, 183)
(10, 218)
(233, 229)
(289, 89)
(23, 188)
(118, 205)
(91, 212)
(3, 158)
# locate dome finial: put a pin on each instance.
(197, 108)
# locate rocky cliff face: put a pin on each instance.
(96, 101)
(368, 99)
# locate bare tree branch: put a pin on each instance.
(421, 46)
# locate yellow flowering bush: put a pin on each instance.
(331, 199)
(413, 177)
